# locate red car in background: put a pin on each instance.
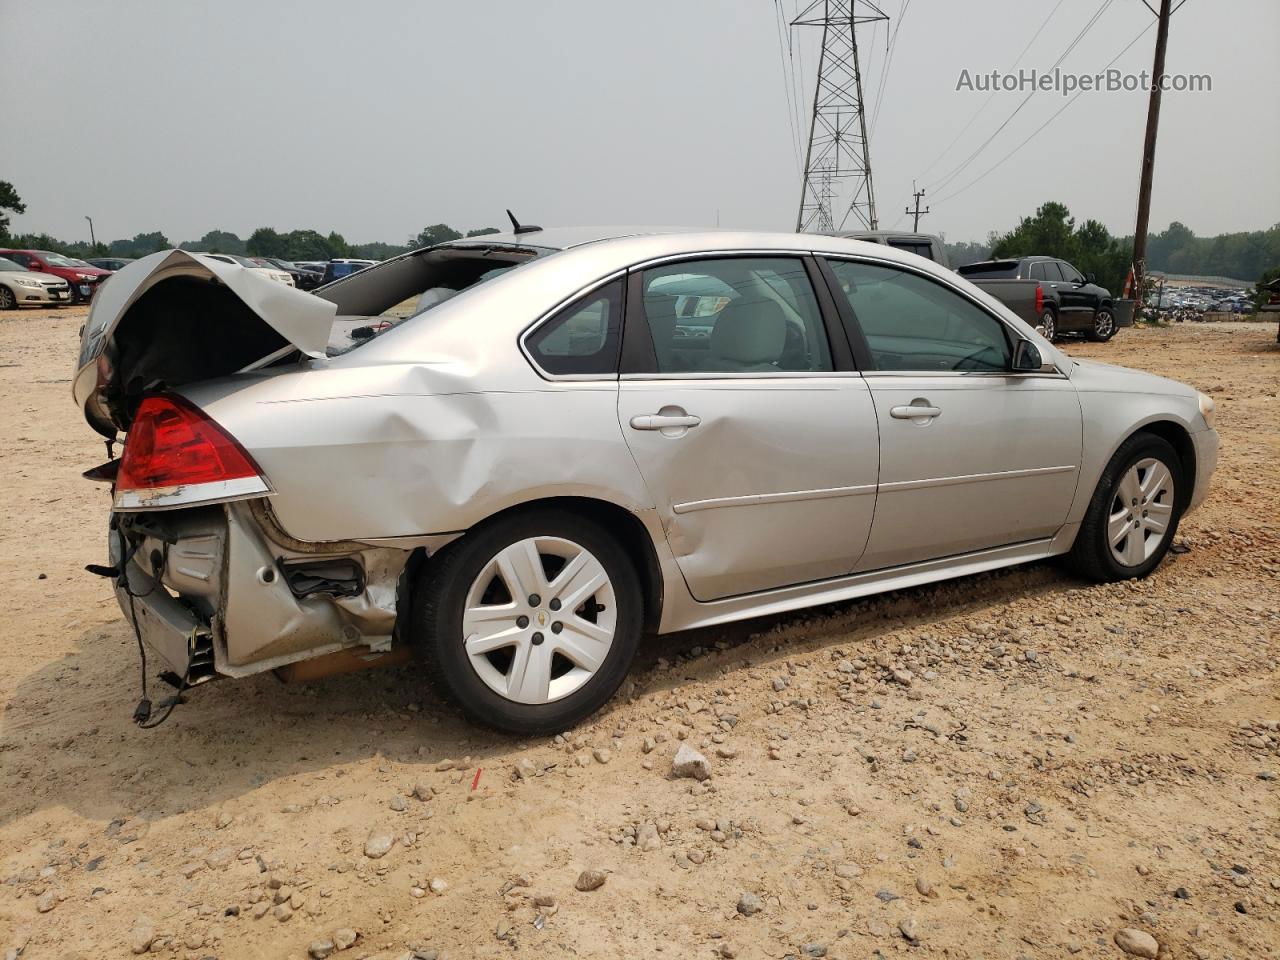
(83, 278)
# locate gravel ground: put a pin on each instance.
(1058, 768)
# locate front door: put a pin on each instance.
(972, 455)
(760, 455)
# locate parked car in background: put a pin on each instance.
(82, 279)
(109, 263)
(281, 276)
(921, 244)
(19, 287)
(303, 279)
(337, 269)
(336, 481)
(1049, 293)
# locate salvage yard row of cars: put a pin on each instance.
(517, 455)
(38, 278)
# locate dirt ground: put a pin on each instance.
(1067, 761)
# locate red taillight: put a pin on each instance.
(1039, 299)
(173, 443)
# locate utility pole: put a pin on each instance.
(1149, 155)
(917, 213)
(93, 241)
(838, 155)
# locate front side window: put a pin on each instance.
(584, 337)
(912, 323)
(1070, 273)
(734, 315)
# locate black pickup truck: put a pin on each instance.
(1048, 293)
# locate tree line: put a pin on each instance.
(1052, 232)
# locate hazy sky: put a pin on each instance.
(376, 117)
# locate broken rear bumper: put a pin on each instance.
(211, 591)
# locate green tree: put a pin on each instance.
(436, 233)
(216, 241)
(482, 232)
(266, 242)
(11, 202)
(1052, 232)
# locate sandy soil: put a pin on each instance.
(1067, 761)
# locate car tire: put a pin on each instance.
(560, 665)
(1048, 325)
(7, 300)
(1104, 325)
(1117, 539)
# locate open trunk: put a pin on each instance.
(175, 317)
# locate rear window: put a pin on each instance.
(380, 298)
(921, 248)
(994, 270)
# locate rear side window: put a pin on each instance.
(1036, 272)
(734, 315)
(583, 338)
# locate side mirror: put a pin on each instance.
(1089, 278)
(1026, 357)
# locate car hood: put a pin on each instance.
(1093, 376)
(174, 318)
(31, 275)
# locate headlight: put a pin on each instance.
(24, 282)
(1208, 410)
(86, 276)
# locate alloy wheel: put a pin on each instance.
(7, 299)
(539, 620)
(1048, 325)
(1141, 509)
(1103, 324)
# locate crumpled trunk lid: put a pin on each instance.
(174, 318)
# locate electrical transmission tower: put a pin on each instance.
(838, 153)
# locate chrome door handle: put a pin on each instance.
(914, 413)
(659, 421)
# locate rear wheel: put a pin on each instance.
(529, 624)
(1104, 325)
(7, 300)
(1048, 325)
(1134, 512)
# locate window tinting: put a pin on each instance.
(734, 315)
(913, 323)
(1036, 272)
(1070, 273)
(920, 248)
(583, 338)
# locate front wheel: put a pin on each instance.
(7, 300)
(1134, 512)
(529, 624)
(1104, 325)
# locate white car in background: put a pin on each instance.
(280, 276)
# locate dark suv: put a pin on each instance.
(1067, 301)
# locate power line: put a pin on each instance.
(1042, 126)
(884, 70)
(792, 114)
(992, 95)
(948, 178)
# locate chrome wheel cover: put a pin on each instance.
(1048, 328)
(1141, 508)
(539, 620)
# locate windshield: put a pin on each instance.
(8, 266)
(412, 286)
(58, 260)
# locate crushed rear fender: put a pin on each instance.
(174, 318)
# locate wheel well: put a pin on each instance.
(1110, 305)
(622, 523)
(1178, 438)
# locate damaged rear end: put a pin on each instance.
(204, 572)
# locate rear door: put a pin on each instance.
(755, 437)
(972, 455)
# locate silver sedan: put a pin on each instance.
(515, 455)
